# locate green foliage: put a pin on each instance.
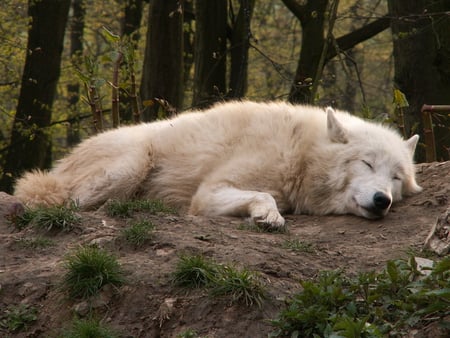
(242, 285)
(195, 271)
(138, 233)
(89, 328)
(298, 245)
(88, 269)
(116, 208)
(17, 318)
(369, 305)
(59, 218)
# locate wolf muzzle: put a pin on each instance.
(381, 203)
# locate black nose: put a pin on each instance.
(381, 200)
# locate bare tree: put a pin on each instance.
(312, 58)
(30, 142)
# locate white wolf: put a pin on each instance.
(238, 159)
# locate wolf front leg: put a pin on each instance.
(223, 200)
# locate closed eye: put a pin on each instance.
(396, 177)
(368, 164)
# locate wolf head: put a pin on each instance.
(375, 164)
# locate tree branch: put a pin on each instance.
(295, 8)
(351, 39)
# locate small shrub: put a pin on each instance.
(59, 218)
(369, 305)
(299, 246)
(194, 271)
(17, 318)
(138, 233)
(89, 328)
(127, 208)
(88, 270)
(243, 285)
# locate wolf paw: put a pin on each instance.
(270, 219)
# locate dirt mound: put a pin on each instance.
(149, 305)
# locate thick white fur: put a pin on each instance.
(239, 158)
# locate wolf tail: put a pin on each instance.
(41, 188)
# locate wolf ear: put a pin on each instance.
(336, 132)
(411, 143)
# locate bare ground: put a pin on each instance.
(149, 305)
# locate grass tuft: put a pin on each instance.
(88, 270)
(34, 243)
(125, 209)
(138, 233)
(262, 228)
(243, 285)
(89, 328)
(58, 218)
(189, 333)
(194, 271)
(299, 246)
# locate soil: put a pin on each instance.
(149, 305)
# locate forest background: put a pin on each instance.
(70, 69)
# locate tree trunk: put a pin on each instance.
(162, 77)
(312, 18)
(129, 29)
(30, 141)
(131, 21)
(210, 51)
(240, 43)
(76, 51)
(188, 42)
(421, 35)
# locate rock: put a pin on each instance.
(10, 207)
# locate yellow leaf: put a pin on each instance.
(400, 99)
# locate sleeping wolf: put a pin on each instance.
(238, 159)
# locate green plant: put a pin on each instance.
(189, 333)
(298, 246)
(17, 318)
(194, 271)
(243, 285)
(89, 328)
(116, 208)
(138, 233)
(368, 305)
(88, 270)
(49, 218)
